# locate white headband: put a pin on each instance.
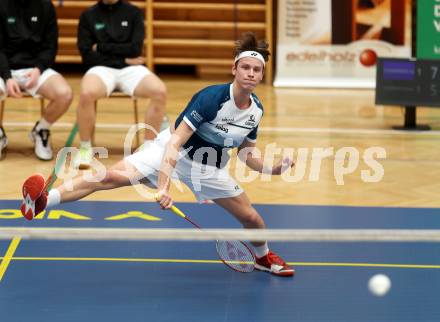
(250, 53)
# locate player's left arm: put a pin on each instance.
(247, 154)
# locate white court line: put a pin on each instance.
(340, 235)
(315, 130)
(347, 131)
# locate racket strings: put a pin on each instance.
(236, 255)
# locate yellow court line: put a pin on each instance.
(365, 265)
(8, 256)
(205, 261)
(101, 259)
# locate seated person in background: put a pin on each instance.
(28, 46)
(110, 40)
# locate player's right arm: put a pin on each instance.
(198, 111)
(169, 161)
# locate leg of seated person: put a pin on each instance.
(3, 138)
(92, 89)
(2, 92)
(2, 97)
(152, 87)
(59, 94)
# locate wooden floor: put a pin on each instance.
(295, 119)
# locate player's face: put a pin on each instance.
(248, 72)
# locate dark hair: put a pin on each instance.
(248, 41)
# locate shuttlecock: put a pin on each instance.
(379, 284)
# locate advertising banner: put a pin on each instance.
(428, 29)
(335, 43)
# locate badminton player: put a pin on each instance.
(217, 119)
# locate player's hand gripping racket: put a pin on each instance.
(233, 253)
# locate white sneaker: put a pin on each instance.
(3, 141)
(42, 147)
(83, 158)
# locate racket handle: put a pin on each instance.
(178, 212)
(173, 208)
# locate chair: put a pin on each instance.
(135, 111)
(25, 95)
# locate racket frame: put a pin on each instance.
(179, 213)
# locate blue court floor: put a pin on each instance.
(67, 281)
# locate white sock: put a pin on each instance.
(42, 124)
(262, 250)
(54, 198)
(85, 144)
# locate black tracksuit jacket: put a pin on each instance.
(28, 35)
(118, 31)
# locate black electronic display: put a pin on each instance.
(408, 82)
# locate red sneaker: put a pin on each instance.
(274, 264)
(34, 198)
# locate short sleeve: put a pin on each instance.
(199, 110)
(252, 136)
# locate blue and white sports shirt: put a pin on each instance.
(218, 123)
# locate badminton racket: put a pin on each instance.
(233, 253)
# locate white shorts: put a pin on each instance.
(206, 182)
(124, 79)
(19, 76)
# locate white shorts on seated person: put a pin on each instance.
(205, 181)
(124, 79)
(19, 75)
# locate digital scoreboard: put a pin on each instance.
(408, 82)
